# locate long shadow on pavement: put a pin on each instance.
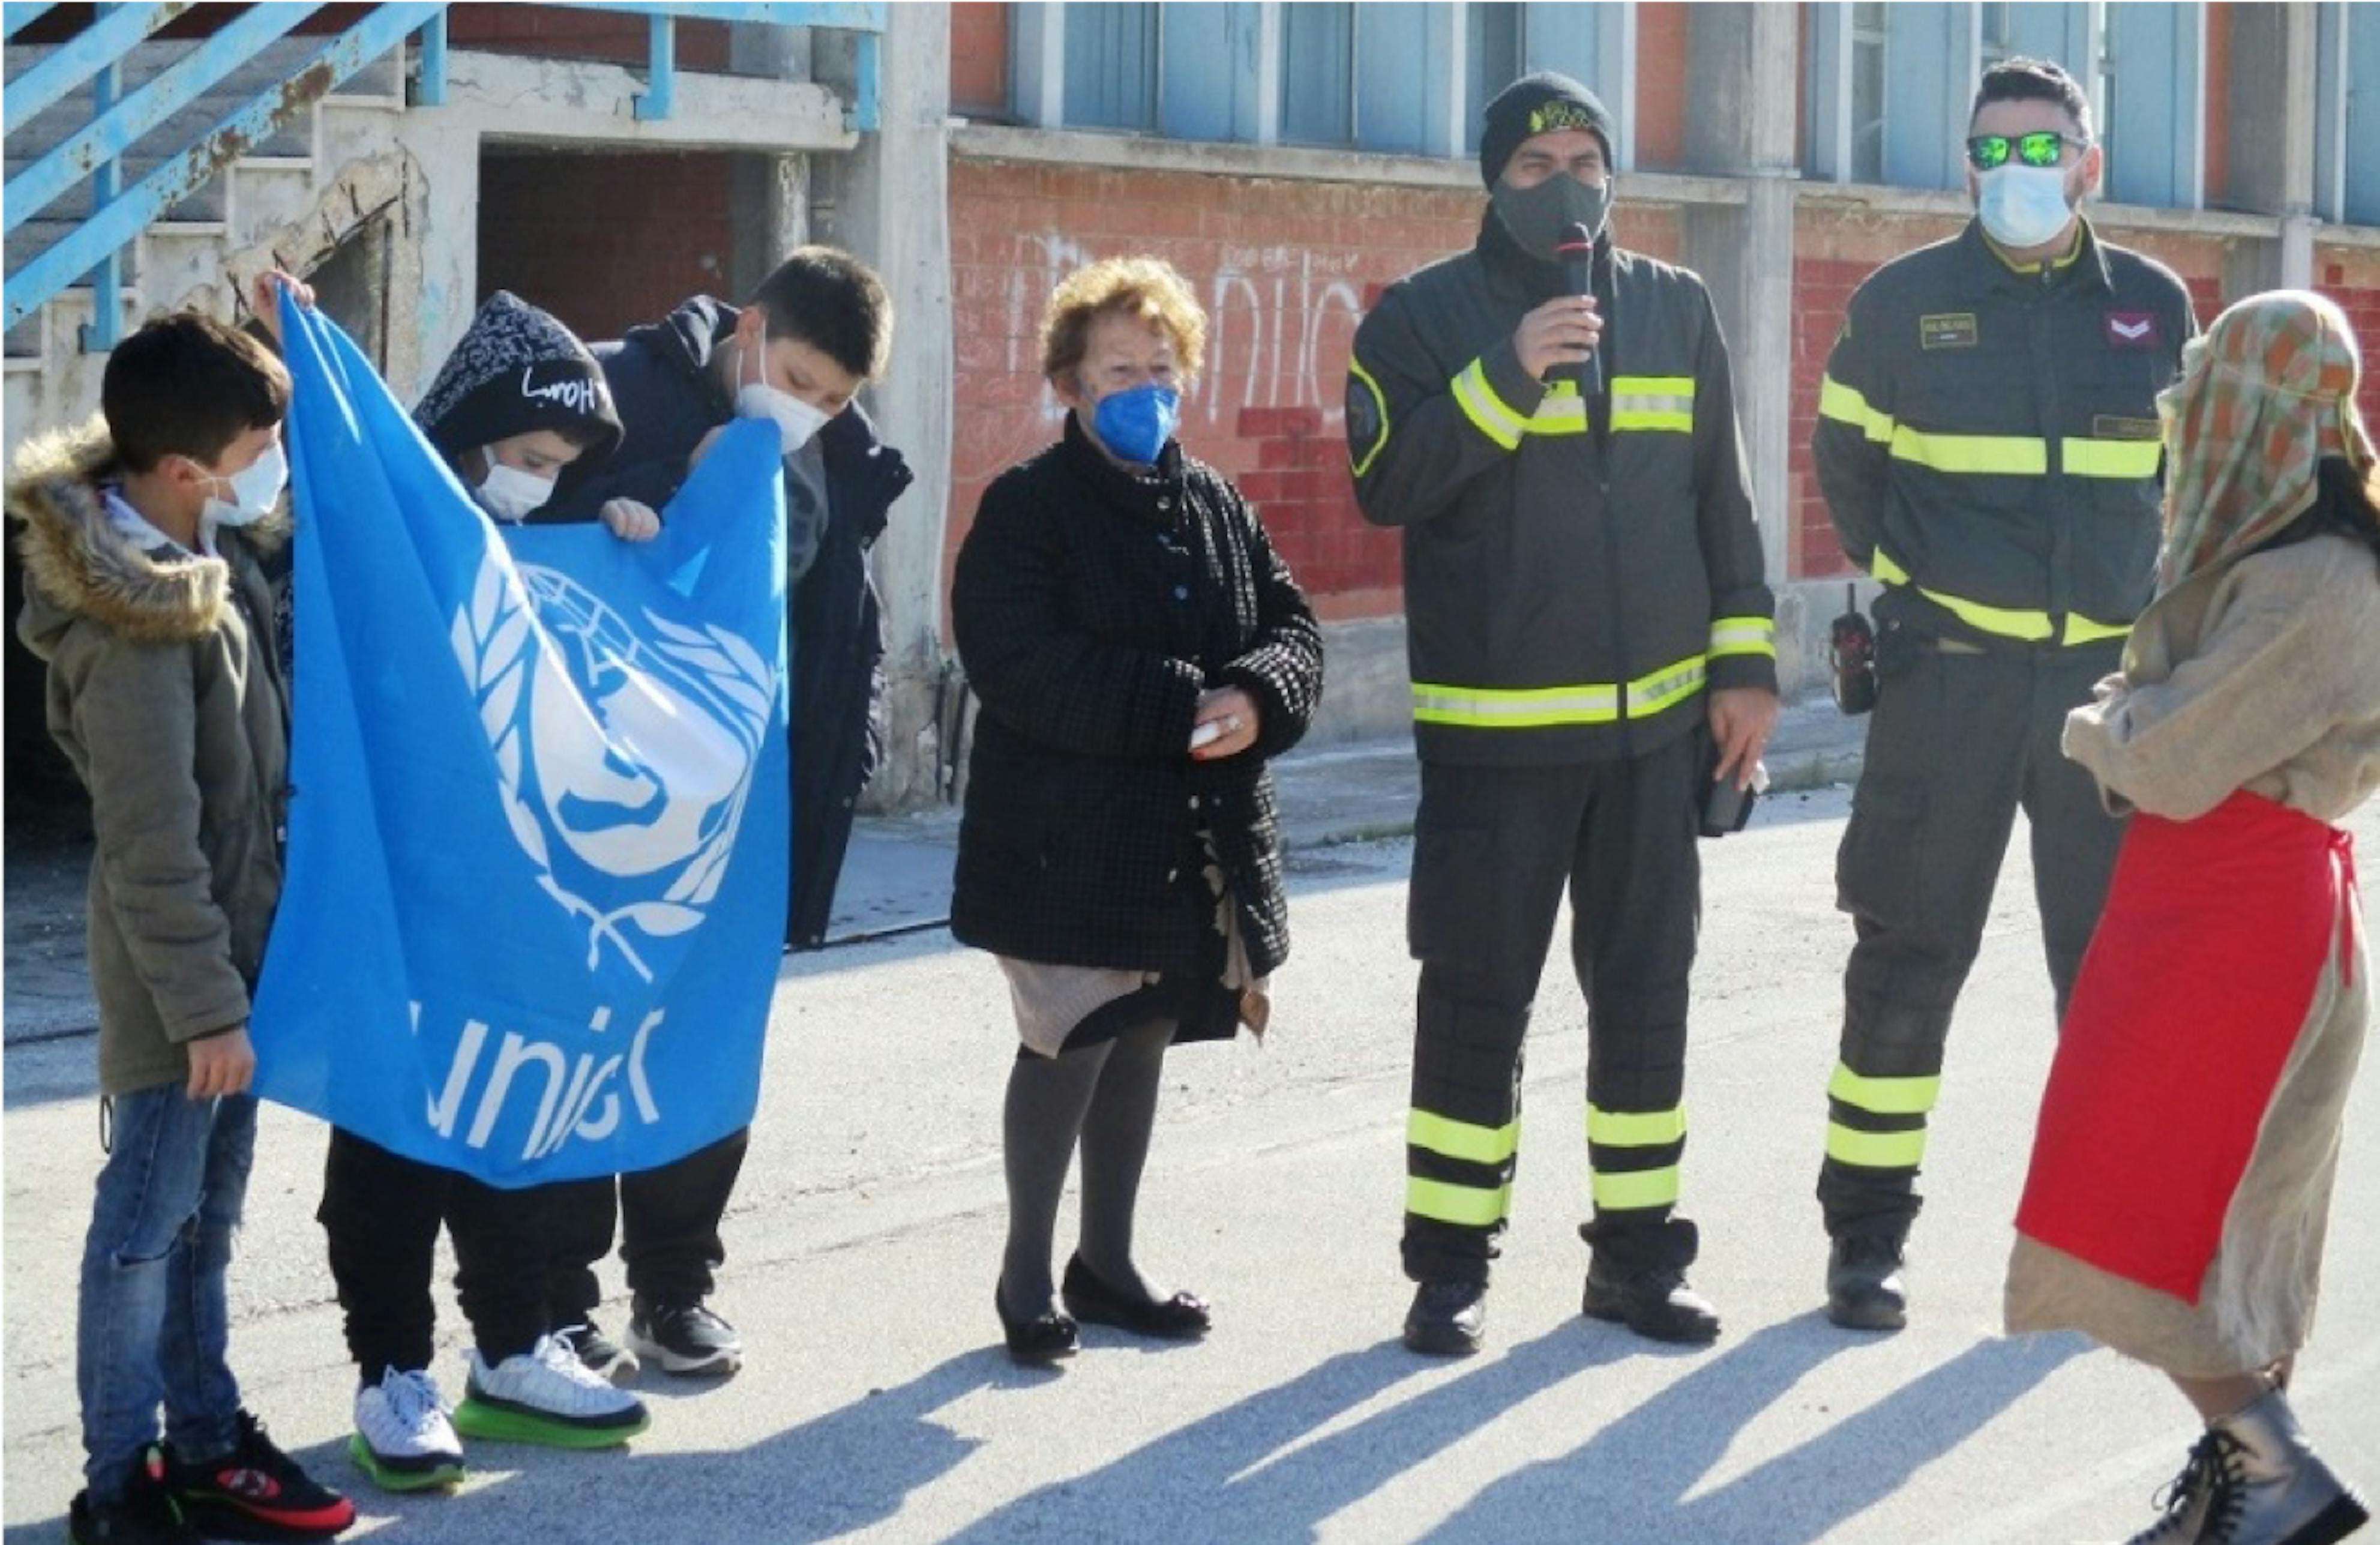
(1226, 1477)
(1628, 1485)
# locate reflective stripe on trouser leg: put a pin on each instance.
(1875, 1134)
(1633, 1158)
(1462, 1136)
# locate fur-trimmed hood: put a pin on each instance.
(79, 565)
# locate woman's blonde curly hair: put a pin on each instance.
(1149, 288)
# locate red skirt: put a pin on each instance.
(2195, 987)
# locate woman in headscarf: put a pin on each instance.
(2181, 1174)
(1141, 652)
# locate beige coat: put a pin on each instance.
(2262, 675)
(164, 693)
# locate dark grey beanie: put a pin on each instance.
(1537, 105)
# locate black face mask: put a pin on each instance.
(1539, 218)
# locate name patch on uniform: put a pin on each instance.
(1947, 330)
(2106, 426)
(2132, 329)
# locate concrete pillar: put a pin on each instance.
(2272, 149)
(892, 207)
(1750, 53)
(771, 193)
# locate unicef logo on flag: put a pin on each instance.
(624, 758)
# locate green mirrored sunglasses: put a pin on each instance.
(2041, 148)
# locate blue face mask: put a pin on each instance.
(1136, 424)
(2023, 206)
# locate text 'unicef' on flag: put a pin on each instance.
(539, 826)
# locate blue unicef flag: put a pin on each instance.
(537, 838)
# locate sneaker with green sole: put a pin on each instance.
(546, 1395)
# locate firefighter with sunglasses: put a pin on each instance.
(1987, 443)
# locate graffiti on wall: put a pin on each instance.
(1281, 320)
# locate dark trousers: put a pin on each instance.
(382, 1211)
(1493, 848)
(1961, 739)
(669, 1217)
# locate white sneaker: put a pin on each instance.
(547, 1395)
(404, 1439)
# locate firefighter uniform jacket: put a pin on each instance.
(1988, 438)
(1578, 566)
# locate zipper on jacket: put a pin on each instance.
(2045, 368)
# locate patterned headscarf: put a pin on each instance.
(2264, 396)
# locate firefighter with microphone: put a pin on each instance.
(1593, 654)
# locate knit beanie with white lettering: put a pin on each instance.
(515, 369)
(1539, 105)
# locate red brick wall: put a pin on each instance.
(979, 59)
(604, 242)
(2351, 275)
(609, 36)
(1833, 251)
(1660, 86)
(1284, 269)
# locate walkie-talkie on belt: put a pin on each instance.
(1850, 650)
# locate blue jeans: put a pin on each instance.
(151, 1324)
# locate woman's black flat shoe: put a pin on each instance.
(1043, 1338)
(1183, 1316)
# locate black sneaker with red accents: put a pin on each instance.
(255, 1492)
(144, 1515)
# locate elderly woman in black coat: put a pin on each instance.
(1140, 652)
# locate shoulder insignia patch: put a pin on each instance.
(2132, 329)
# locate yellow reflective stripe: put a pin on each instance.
(1559, 413)
(1648, 694)
(1884, 1097)
(1380, 403)
(1845, 405)
(1462, 1139)
(1670, 420)
(1634, 1128)
(2081, 629)
(1489, 708)
(1485, 410)
(1635, 1188)
(1653, 402)
(2031, 627)
(2009, 623)
(1594, 702)
(1875, 1151)
(2110, 459)
(2007, 455)
(1468, 1205)
(1743, 635)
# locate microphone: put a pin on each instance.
(1575, 252)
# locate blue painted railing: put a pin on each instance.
(95, 54)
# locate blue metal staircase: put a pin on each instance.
(148, 127)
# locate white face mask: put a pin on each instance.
(2023, 206)
(796, 421)
(509, 494)
(255, 489)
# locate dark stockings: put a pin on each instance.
(1105, 1095)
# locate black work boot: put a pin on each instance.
(1637, 1278)
(2270, 1486)
(1449, 1319)
(1865, 1290)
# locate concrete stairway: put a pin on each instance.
(182, 258)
